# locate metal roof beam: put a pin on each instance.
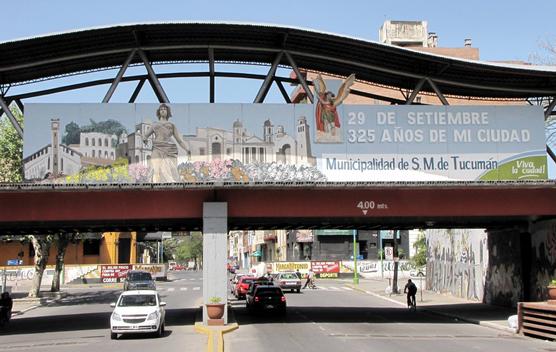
(137, 90)
(12, 118)
(438, 92)
(283, 91)
(300, 77)
(211, 73)
(550, 108)
(162, 97)
(296, 53)
(118, 78)
(268, 79)
(551, 153)
(416, 91)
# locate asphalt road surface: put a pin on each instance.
(337, 318)
(330, 318)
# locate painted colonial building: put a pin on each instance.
(275, 145)
(52, 159)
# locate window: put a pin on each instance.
(91, 247)
(87, 141)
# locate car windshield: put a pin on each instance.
(140, 277)
(137, 301)
(247, 280)
(289, 276)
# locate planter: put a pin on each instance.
(551, 290)
(215, 311)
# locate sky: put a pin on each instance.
(502, 30)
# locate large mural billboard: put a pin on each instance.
(194, 143)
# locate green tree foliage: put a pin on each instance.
(420, 257)
(71, 136)
(191, 248)
(72, 131)
(11, 149)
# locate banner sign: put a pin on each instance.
(114, 273)
(159, 143)
(326, 269)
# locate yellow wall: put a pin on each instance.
(74, 251)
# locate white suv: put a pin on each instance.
(137, 312)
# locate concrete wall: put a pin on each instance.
(543, 259)
(457, 262)
(504, 280)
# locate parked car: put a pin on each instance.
(288, 281)
(137, 311)
(139, 280)
(266, 297)
(241, 287)
(235, 279)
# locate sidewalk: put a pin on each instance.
(442, 304)
(23, 304)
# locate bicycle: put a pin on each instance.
(412, 306)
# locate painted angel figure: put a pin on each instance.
(327, 118)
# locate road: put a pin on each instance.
(337, 318)
(81, 322)
(330, 318)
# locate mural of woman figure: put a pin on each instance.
(165, 152)
(327, 118)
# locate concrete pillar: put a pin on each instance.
(215, 276)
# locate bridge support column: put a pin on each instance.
(215, 277)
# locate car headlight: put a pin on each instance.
(116, 317)
(153, 316)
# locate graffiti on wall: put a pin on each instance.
(457, 261)
(543, 263)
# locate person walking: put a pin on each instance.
(411, 291)
(309, 280)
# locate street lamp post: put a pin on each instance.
(355, 277)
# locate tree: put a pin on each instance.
(191, 248)
(420, 257)
(71, 136)
(61, 240)
(547, 56)
(11, 149)
(41, 246)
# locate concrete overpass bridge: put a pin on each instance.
(179, 207)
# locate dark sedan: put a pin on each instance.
(266, 297)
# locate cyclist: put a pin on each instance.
(411, 291)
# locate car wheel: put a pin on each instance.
(113, 336)
(298, 290)
(161, 330)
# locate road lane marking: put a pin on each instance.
(183, 288)
(196, 288)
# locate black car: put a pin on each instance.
(256, 282)
(266, 297)
(139, 280)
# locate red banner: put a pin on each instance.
(325, 267)
(114, 273)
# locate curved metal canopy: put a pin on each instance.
(91, 49)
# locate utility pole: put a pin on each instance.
(396, 258)
(355, 277)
